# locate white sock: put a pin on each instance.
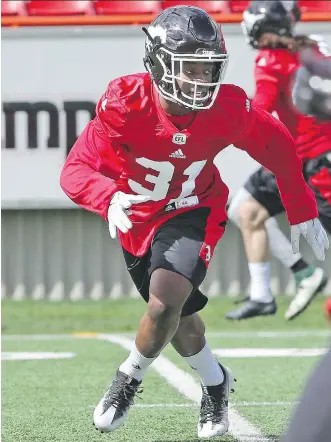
(207, 367)
(260, 281)
(279, 245)
(136, 364)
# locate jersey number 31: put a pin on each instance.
(162, 180)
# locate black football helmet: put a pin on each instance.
(312, 88)
(274, 16)
(179, 35)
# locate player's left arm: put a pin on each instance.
(268, 141)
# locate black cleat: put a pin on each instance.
(250, 309)
(112, 410)
(213, 419)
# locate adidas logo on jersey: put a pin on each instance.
(177, 154)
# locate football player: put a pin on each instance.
(311, 418)
(312, 88)
(269, 27)
(145, 164)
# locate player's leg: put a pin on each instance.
(252, 215)
(188, 242)
(167, 295)
(174, 254)
(189, 339)
(255, 203)
(216, 379)
(279, 245)
(318, 172)
(113, 407)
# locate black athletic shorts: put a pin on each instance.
(177, 247)
(262, 186)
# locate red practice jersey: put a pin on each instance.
(274, 77)
(133, 147)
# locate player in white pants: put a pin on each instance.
(309, 279)
(269, 28)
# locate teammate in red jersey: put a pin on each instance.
(145, 164)
(269, 28)
(311, 417)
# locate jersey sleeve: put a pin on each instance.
(89, 174)
(268, 141)
(266, 88)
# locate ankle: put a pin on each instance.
(136, 364)
(299, 265)
(206, 366)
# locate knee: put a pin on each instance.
(161, 311)
(247, 213)
(252, 215)
(237, 201)
(168, 293)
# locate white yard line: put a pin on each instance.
(36, 337)
(220, 334)
(234, 404)
(271, 334)
(82, 335)
(268, 352)
(183, 382)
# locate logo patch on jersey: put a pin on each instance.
(179, 138)
(189, 201)
(177, 154)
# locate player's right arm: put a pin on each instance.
(266, 84)
(88, 175)
(93, 166)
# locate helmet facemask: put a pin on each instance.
(197, 90)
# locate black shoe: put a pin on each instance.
(213, 419)
(253, 308)
(112, 410)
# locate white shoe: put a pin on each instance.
(213, 419)
(307, 290)
(112, 410)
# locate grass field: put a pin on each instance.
(53, 399)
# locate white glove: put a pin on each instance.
(315, 235)
(118, 213)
